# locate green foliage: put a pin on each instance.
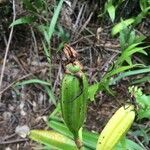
(130, 44)
(142, 79)
(110, 7)
(111, 10)
(141, 15)
(120, 26)
(63, 35)
(142, 100)
(37, 10)
(34, 8)
(126, 54)
(73, 68)
(49, 29)
(89, 138)
(92, 90)
(144, 4)
(128, 37)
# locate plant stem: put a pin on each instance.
(78, 140)
(79, 143)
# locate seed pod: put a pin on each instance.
(116, 127)
(74, 95)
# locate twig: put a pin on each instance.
(35, 44)
(9, 136)
(7, 48)
(13, 141)
(74, 3)
(139, 142)
(86, 23)
(57, 78)
(107, 63)
(78, 18)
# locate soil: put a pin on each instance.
(29, 104)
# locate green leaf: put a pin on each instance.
(131, 38)
(141, 15)
(128, 52)
(92, 90)
(52, 139)
(117, 28)
(89, 138)
(131, 145)
(127, 144)
(144, 99)
(143, 4)
(53, 22)
(32, 81)
(144, 113)
(120, 69)
(142, 80)
(47, 53)
(51, 95)
(111, 11)
(130, 73)
(123, 37)
(23, 20)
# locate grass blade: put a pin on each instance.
(33, 81)
(53, 21)
(130, 73)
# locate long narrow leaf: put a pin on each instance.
(142, 80)
(33, 81)
(130, 73)
(52, 139)
(53, 21)
(89, 138)
(46, 50)
(23, 20)
(51, 95)
(121, 69)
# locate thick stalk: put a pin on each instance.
(78, 140)
(79, 143)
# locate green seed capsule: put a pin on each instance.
(74, 95)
